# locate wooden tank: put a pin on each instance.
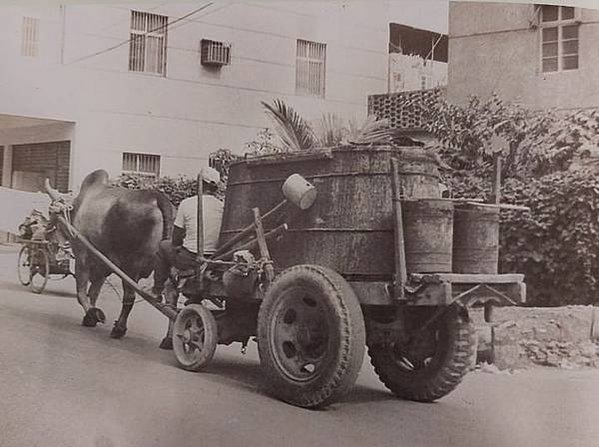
(476, 239)
(350, 226)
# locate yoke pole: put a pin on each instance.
(163, 308)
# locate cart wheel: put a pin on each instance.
(311, 336)
(432, 363)
(24, 265)
(39, 270)
(195, 336)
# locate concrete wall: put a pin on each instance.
(191, 111)
(493, 48)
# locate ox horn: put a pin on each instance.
(53, 193)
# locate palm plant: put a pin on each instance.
(296, 134)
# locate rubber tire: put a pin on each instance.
(25, 251)
(450, 364)
(39, 254)
(210, 338)
(348, 340)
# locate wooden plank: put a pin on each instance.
(503, 206)
(467, 278)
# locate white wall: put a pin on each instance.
(192, 111)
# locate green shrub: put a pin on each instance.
(176, 189)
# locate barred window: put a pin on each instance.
(141, 164)
(29, 37)
(310, 68)
(147, 47)
(559, 38)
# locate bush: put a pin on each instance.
(556, 244)
(176, 189)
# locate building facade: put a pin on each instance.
(541, 56)
(154, 88)
(417, 59)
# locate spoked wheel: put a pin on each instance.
(311, 336)
(24, 265)
(430, 363)
(195, 337)
(39, 270)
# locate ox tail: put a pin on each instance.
(168, 215)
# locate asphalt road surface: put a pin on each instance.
(64, 385)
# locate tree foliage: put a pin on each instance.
(532, 143)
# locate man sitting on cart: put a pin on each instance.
(181, 251)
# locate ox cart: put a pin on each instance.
(324, 254)
(40, 260)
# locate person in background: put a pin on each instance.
(181, 250)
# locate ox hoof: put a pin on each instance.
(167, 343)
(89, 321)
(118, 331)
(93, 317)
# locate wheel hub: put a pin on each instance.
(186, 337)
(299, 336)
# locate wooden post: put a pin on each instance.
(264, 253)
(496, 194)
(401, 275)
(200, 222)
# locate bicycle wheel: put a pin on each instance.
(24, 265)
(40, 269)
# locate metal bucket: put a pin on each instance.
(475, 239)
(428, 233)
(299, 191)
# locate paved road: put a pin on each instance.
(65, 385)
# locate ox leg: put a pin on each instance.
(172, 298)
(96, 283)
(92, 316)
(120, 325)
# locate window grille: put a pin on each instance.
(147, 46)
(215, 53)
(29, 37)
(310, 68)
(141, 164)
(559, 38)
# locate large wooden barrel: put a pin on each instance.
(350, 226)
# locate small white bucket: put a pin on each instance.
(299, 191)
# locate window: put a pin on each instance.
(310, 68)
(141, 164)
(147, 46)
(29, 37)
(559, 38)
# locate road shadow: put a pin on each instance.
(227, 368)
(361, 394)
(7, 286)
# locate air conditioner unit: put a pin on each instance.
(215, 53)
